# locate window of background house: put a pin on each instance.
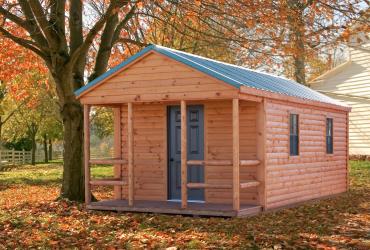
(294, 134)
(329, 135)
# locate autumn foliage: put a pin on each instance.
(20, 69)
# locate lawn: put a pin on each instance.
(30, 217)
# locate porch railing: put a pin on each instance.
(243, 163)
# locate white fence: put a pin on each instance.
(14, 157)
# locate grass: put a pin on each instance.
(45, 174)
(30, 217)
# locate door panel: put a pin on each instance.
(195, 126)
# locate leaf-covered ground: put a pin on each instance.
(31, 218)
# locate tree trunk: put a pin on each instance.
(300, 61)
(71, 112)
(73, 173)
(45, 141)
(297, 33)
(50, 150)
(33, 150)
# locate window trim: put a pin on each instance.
(298, 134)
(332, 135)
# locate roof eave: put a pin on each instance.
(277, 96)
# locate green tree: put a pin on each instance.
(35, 116)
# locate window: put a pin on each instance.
(329, 135)
(294, 134)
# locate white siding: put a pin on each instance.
(350, 83)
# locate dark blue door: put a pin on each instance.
(195, 126)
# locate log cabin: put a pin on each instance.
(197, 136)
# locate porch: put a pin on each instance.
(174, 207)
(126, 160)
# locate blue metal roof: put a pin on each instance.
(234, 75)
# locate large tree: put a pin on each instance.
(61, 33)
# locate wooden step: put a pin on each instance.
(210, 162)
(108, 161)
(207, 185)
(249, 162)
(107, 182)
(249, 184)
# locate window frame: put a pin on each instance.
(297, 135)
(329, 151)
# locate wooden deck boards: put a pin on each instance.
(173, 207)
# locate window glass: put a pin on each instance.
(294, 134)
(329, 135)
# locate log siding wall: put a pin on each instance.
(219, 147)
(313, 173)
(150, 163)
(158, 78)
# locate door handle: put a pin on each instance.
(171, 159)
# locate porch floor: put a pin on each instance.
(174, 207)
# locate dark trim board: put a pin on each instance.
(170, 207)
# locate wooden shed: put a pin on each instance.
(199, 136)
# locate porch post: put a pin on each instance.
(117, 150)
(87, 153)
(184, 177)
(236, 158)
(130, 144)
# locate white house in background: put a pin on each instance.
(350, 83)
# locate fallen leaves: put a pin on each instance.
(30, 217)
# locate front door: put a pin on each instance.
(195, 129)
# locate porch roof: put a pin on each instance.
(234, 75)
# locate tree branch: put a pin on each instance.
(25, 43)
(34, 31)
(105, 47)
(19, 21)
(43, 22)
(13, 112)
(57, 19)
(122, 24)
(112, 8)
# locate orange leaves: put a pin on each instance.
(140, 5)
(21, 70)
(250, 23)
(31, 218)
(346, 34)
